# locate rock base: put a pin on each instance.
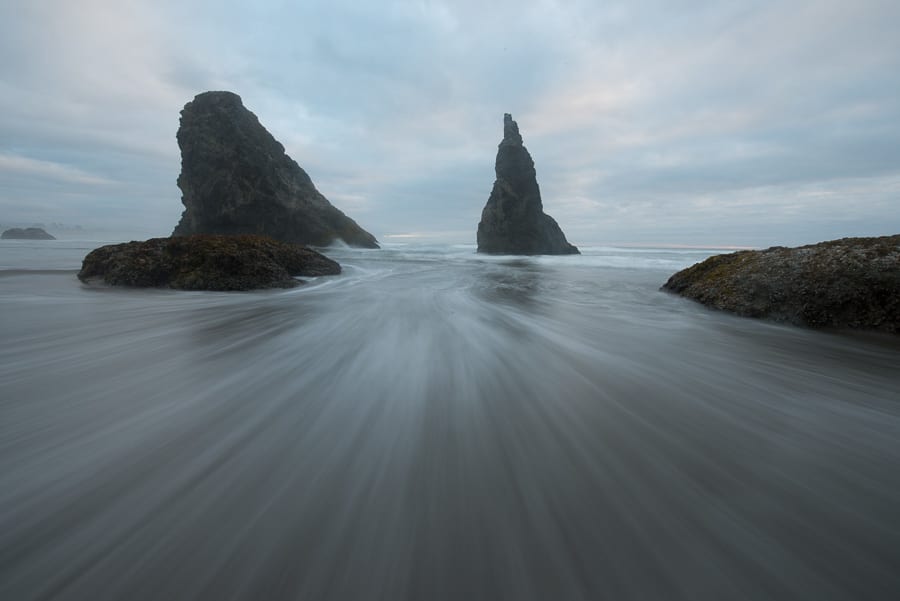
(205, 262)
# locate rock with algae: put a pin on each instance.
(205, 262)
(846, 283)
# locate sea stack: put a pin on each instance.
(237, 179)
(513, 221)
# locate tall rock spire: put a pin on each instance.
(236, 179)
(513, 220)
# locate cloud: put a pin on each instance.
(23, 167)
(682, 121)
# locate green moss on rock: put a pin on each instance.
(205, 262)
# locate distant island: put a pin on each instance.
(846, 283)
(28, 233)
(513, 220)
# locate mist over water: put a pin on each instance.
(435, 424)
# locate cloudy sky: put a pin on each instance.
(677, 122)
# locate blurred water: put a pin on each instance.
(433, 424)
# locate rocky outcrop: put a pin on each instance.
(205, 262)
(847, 283)
(28, 233)
(236, 179)
(513, 220)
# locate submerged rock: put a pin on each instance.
(205, 262)
(28, 233)
(847, 283)
(513, 220)
(236, 179)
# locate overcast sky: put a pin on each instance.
(678, 122)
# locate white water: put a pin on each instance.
(435, 424)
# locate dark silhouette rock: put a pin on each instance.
(236, 179)
(28, 233)
(847, 283)
(205, 262)
(513, 220)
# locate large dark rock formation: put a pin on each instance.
(28, 233)
(513, 220)
(236, 179)
(847, 283)
(205, 262)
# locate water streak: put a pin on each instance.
(437, 425)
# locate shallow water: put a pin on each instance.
(433, 424)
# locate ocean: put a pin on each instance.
(435, 424)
